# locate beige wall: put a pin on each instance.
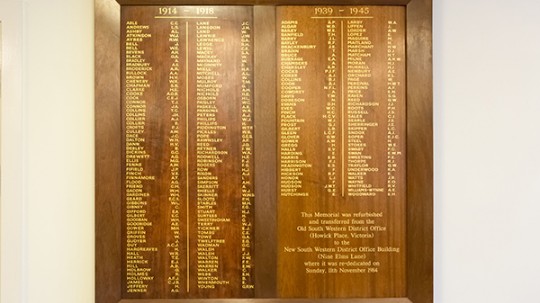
(57, 188)
(487, 178)
(487, 127)
(11, 148)
(60, 162)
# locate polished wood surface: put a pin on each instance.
(264, 2)
(188, 147)
(108, 155)
(371, 300)
(266, 152)
(420, 152)
(342, 173)
(418, 217)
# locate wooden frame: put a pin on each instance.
(419, 147)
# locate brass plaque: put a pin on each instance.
(341, 151)
(188, 151)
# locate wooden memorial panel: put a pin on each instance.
(342, 138)
(263, 150)
(188, 151)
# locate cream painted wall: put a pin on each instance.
(487, 142)
(12, 153)
(60, 151)
(487, 147)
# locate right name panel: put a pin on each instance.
(341, 151)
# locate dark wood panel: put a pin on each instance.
(188, 147)
(420, 152)
(265, 155)
(419, 220)
(341, 147)
(371, 300)
(107, 149)
(264, 2)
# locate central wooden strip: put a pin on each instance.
(187, 156)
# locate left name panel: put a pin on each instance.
(187, 114)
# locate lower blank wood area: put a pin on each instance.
(371, 300)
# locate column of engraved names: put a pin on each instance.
(359, 82)
(292, 160)
(247, 155)
(208, 155)
(331, 110)
(392, 83)
(138, 271)
(174, 161)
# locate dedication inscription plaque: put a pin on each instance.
(266, 149)
(341, 151)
